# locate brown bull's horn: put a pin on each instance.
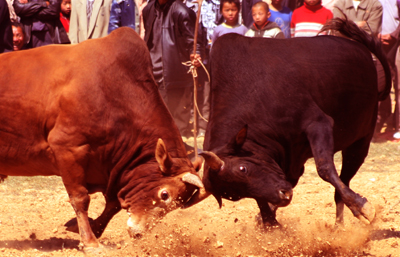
(212, 160)
(199, 196)
(192, 179)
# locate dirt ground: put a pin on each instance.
(33, 211)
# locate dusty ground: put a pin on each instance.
(33, 211)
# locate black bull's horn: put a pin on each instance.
(212, 160)
(215, 164)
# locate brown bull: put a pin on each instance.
(91, 113)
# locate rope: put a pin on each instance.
(193, 70)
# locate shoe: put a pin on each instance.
(396, 135)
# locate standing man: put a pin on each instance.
(41, 22)
(89, 19)
(390, 43)
(122, 14)
(367, 14)
(169, 34)
(6, 35)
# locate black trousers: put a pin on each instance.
(385, 107)
(179, 102)
(203, 102)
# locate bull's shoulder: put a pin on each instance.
(123, 40)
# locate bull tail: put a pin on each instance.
(350, 30)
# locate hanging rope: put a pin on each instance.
(193, 70)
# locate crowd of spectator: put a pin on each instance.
(167, 27)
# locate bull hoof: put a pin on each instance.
(72, 225)
(95, 251)
(266, 225)
(367, 213)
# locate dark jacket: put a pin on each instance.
(177, 40)
(39, 11)
(122, 14)
(270, 30)
(6, 35)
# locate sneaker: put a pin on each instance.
(396, 135)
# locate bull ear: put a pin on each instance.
(237, 141)
(163, 158)
(212, 160)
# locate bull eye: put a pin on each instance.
(243, 169)
(164, 195)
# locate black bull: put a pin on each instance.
(276, 103)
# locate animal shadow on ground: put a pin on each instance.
(52, 244)
(382, 234)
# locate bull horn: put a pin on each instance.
(199, 196)
(212, 160)
(192, 179)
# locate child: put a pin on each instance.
(309, 19)
(262, 27)
(230, 11)
(281, 15)
(65, 13)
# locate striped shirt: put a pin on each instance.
(308, 20)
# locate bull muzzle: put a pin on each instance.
(135, 231)
(285, 197)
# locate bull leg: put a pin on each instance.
(98, 225)
(320, 136)
(2, 178)
(80, 201)
(353, 157)
(268, 214)
(71, 162)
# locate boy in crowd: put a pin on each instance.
(281, 15)
(65, 14)
(308, 19)
(230, 11)
(262, 27)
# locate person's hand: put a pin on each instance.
(195, 59)
(361, 24)
(386, 39)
